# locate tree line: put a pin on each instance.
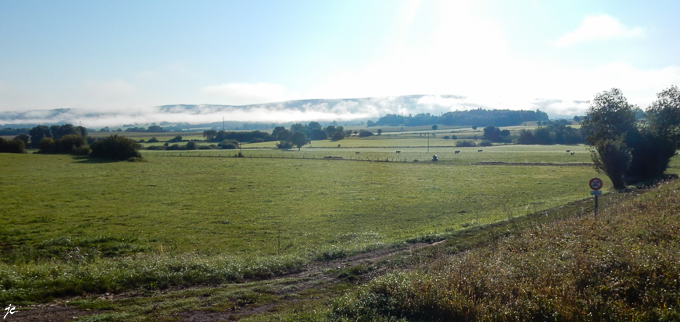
(70, 139)
(477, 117)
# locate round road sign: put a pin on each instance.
(595, 183)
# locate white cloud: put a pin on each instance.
(247, 93)
(597, 28)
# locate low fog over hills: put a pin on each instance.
(341, 110)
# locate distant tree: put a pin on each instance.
(38, 133)
(209, 135)
(330, 130)
(153, 140)
(365, 133)
(337, 136)
(445, 137)
(526, 137)
(191, 145)
(370, 123)
(434, 127)
(474, 127)
(313, 126)
(577, 119)
(24, 138)
(380, 131)
(177, 138)
(116, 148)
(154, 128)
(492, 133)
(299, 139)
(12, 146)
(318, 134)
(70, 143)
(297, 127)
(278, 131)
(543, 135)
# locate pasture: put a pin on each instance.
(74, 225)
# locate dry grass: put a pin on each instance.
(622, 265)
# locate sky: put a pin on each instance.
(129, 57)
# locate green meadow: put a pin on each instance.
(74, 225)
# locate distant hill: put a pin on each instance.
(428, 109)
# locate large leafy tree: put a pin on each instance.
(663, 115)
(612, 157)
(611, 128)
(609, 116)
(299, 139)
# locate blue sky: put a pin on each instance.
(130, 56)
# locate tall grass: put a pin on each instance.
(24, 283)
(620, 266)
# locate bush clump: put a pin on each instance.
(465, 143)
(116, 147)
(12, 146)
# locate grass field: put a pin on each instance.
(74, 225)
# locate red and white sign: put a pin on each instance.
(595, 183)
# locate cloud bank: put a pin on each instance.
(281, 112)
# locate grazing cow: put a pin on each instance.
(479, 151)
(357, 152)
(398, 152)
(573, 153)
(457, 151)
(568, 151)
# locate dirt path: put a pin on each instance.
(313, 276)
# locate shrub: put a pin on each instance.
(46, 145)
(256, 140)
(81, 150)
(12, 146)
(155, 147)
(152, 140)
(284, 145)
(68, 143)
(176, 139)
(228, 144)
(191, 145)
(365, 133)
(485, 143)
(337, 136)
(116, 148)
(465, 143)
(613, 158)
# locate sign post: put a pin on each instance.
(595, 184)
